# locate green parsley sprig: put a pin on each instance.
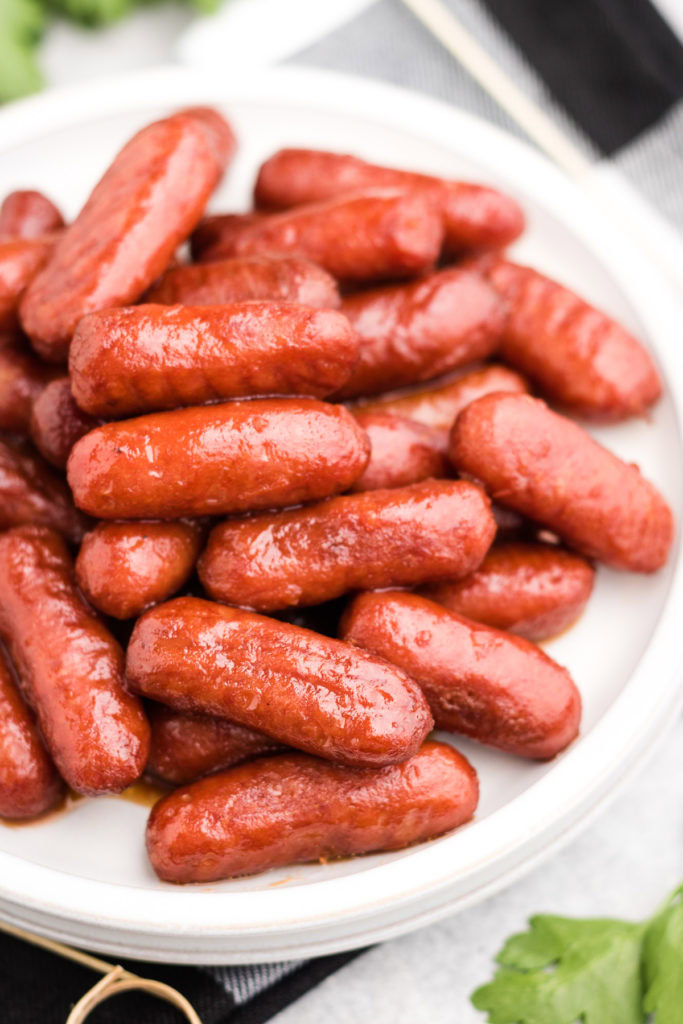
(564, 970)
(23, 22)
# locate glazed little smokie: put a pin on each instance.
(247, 278)
(20, 261)
(534, 590)
(23, 378)
(402, 452)
(69, 666)
(31, 493)
(300, 688)
(474, 216)
(186, 747)
(154, 192)
(490, 685)
(125, 568)
(436, 529)
(292, 808)
(548, 468)
(217, 459)
(367, 236)
(56, 422)
(28, 214)
(413, 332)
(29, 782)
(577, 356)
(437, 404)
(213, 237)
(143, 358)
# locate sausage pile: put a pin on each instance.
(309, 481)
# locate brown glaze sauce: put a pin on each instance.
(144, 792)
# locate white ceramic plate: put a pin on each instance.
(83, 876)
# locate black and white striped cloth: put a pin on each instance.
(610, 73)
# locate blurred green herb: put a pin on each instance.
(21, 25)
(102, 12)
(92, 12)
(564, 970)
(23, 22)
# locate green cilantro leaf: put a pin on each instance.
(21, 25)
(564, 970)
(663, 962)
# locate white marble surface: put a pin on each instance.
(622, 865)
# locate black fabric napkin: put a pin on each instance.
(37, 987)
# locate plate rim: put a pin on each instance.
(393, 887)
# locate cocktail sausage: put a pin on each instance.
(23, 377)
(437, 529)
(300, 688)
(32, 493)
(401, 452)
(28, 214)
(490, 685)
(438, 404)
(217, 459)
(534, 590)
(125, 568)
(187, 747)
(247, 278)
(474, 216)
(56, 422)
(292, 808)
(367, 236)
(143, 358)
(29, 783)
(148, 200)
(20, 261)
(69, 666)
(576, 355)
(413, 332)
(548, 468)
